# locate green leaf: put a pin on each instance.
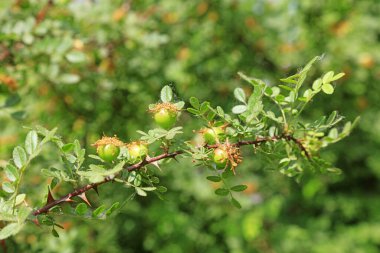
(235, 203)
(220, 111)
(7, 217)
(54, 183)
(254, 81)
(179, 105)
(81, 209)
(69, 78)
(140, 192)
(238, 109)
(67, 147)
(336, 171)
(137, 181)
(166, 94)
(149, 189)
(54, 233)
(19, 157)
(112, 208)
(98, 211)
(222, 192)
(193, 111)
(194, 102)
(239, 188)
(333, 133)
(19, 199)
(347, 128)
(18, 115)
(328, 88)
(11, 172)
(162, 189)
(327, 77)
(12, 100)
(8, 187)
(240, 95)
(31, 142)
(303, 73)
(9, 230)
(331, 118)
(307, 94)
(337, 76)
(204, 107)
(286, 87)
(214, 178)
(317, 84)
(76, 57)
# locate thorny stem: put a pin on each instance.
(137, 166)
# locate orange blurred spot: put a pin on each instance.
(35, 180)
(106, 65)
(68, 99)
(250, 22)
(288, 48)
(118, 14)
(260, 45)
(43, 90)
(78, 44)
(170, 18)
(215, 185)
(67, 225)
(341, 28)
(213, 16)
(78, 124)
(183, 53)
(31, 239)
(362, 103)
(366, 61)
(8, 140)
(8, 81)
(202, 8)
(251, 188)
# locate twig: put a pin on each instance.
(79, 191)
(42, 13)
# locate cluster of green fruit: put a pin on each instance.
(165, 116)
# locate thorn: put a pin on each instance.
(156, 164)
(175, 158)
(84, 198)
(69, 200)
(50, 197)
(96, 189)
(35, 221)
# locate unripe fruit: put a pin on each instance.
(137, 151)
(108, 148)
(108, 152)
(220, 158)
(165, 114)
(213, 135)
(165, 118)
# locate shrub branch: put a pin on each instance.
(137, 166)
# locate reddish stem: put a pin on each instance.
(79, 191)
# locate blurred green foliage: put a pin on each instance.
(92, 67)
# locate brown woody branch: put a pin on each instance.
(78, 192)
(42, 13)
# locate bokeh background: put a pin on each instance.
(92, 67)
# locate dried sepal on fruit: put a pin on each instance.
(108, 148)
(227, 154)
